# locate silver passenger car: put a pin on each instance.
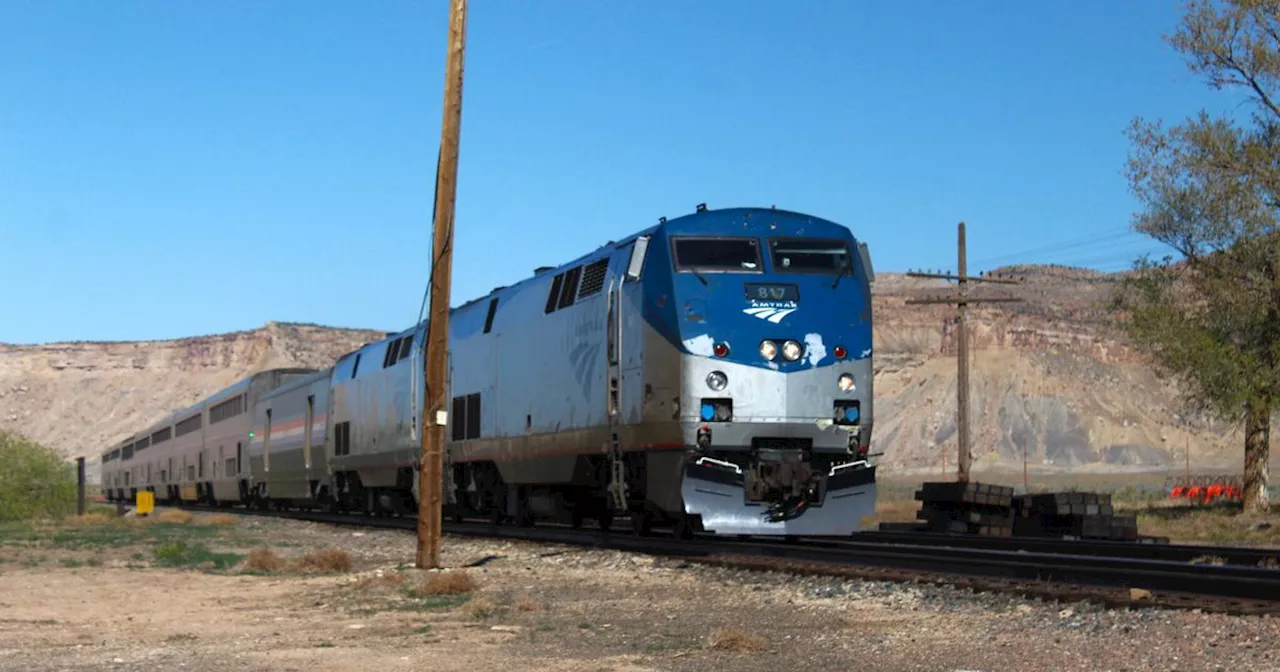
(287, 460)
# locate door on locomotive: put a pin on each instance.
(624, 388)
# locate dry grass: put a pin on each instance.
(174, 516)
(329, 560)
(479, 608)
(734, 639)
(453, 582)
(325, 561)
(90, 519)
(264, 560)
(220, 519)
(1211, 525)
(526, 604)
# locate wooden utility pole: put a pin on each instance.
(962, 302)
(431, 474)
(1187, 454)
(80, 504)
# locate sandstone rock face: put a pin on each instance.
(1050, 376)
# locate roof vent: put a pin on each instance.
(543, 269)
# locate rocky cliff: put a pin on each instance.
(1049, 377)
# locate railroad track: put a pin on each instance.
(1230, 555)
(1050, 569)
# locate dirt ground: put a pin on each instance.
(206, 594)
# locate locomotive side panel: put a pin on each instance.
(381, 446)
(530, 379)
(373, 443)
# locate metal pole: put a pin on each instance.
(962, 381)
(431, 474)
(80, 508)
(1026, 483)
(1187, 454)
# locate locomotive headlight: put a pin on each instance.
(791, 351)
(716, 380)
(768, 350)
(845, 382)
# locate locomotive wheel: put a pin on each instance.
(683, 528)
(524, 517)
(605, 520)
(641, 522)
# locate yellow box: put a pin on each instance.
(146, 503)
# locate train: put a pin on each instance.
(711, 373)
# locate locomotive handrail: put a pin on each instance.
(722, 463)
(848, 465)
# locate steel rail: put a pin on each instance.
(1231, 555)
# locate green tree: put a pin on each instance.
(1210, 189)
(34, 481)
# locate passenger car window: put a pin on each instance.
(807, 255)
(717, 254)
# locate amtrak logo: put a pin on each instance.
(771, 311)
(583, 358)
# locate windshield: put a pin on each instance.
(717, 254)
(801, 255)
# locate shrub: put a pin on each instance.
(455, 582)
(263, 560)
(174, 516)
(35, 482)
(735, 639)
(325, 560)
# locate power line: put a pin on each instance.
(1055, 247)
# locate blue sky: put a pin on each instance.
(173, 169)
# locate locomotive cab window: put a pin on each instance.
(716, 254)
(808, 255)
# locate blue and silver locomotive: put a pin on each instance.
(712, 372)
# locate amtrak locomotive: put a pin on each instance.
(712, 372)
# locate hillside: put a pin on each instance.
(1048, 375)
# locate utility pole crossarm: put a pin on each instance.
(970, 300)
(962, 301)
(970, 278)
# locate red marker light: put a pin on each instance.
(841, 352)
(721, 349)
